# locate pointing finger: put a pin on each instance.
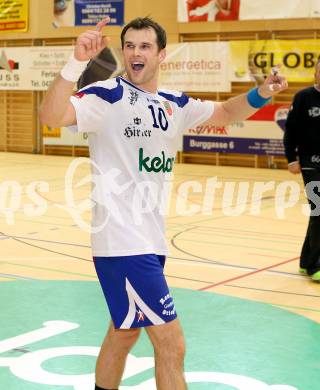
(102, 23)
(275, 70)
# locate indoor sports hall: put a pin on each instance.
(236, 218)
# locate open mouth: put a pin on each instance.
(136, 66)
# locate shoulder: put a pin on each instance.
(177, 97)
(304, 92)
(109, 84)
(109, 90)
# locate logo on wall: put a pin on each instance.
(281, 116)
(7, 64)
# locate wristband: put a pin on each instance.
(255, 100)
(73, 69)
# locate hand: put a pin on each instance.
(91, 42)
(294, 168)
(273, 84)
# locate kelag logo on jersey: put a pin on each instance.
(155, 164)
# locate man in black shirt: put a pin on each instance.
(302, 149)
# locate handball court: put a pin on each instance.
(235, 279)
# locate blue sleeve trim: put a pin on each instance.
(109, 95)
(181, 101)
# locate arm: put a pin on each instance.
(243, 106)
(290, 137)
(223, 6)
(56, 109)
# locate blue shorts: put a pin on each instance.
(135, 289)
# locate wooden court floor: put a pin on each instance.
(253, 255)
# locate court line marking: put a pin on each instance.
(214, 218)
(297, 308)
(245, 287)
(245, 238)
(50, 250)
(50, 241)
(219, 229)
(204, 263)
(78, 245)
(235, 245)
(269, 256)
(248, 274)
(18, 219)
(253, 233)
(224, 178)
(18, 277)
(273, 291)
(50, 269)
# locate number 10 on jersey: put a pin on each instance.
(160, 120)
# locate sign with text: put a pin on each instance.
(253, 60)
(87, 12)
(31, 68)
(261, 134)
(196, 67)
(14, 15)
(64, 136)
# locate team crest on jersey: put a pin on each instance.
(168, 107)
(133, 98)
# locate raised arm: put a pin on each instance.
(243, 106)
(56, 109)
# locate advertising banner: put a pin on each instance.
(207, 10)
(87, 12)
(64, 136)
(222, 10)
(253, 60)
(189, 67)
(261, 134)
(31, 68)
(196, 67)
(14, 15)
(275, 9)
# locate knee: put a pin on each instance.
(125, 339)
(172, 348)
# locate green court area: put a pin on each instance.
(50, 333)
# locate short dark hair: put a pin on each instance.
(141, 23)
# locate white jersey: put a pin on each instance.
(133, 140)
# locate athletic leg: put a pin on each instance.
(113, 354)
(305, 251)
(169, 350)
(311, 247)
